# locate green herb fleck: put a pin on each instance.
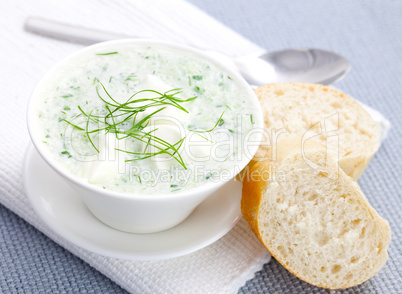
(251, 119)
(198, 90)
(67, 96)
(66, 153)
(175, 187)
(230, 130)
(108, 53)
(138, 177)
(131, 77)
(67, 108)
(197, 78)
(221, 122)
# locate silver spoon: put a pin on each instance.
(291, 65)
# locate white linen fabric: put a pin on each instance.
(222, 267)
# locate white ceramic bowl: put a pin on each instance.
(135, 212)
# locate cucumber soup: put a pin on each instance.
(145, 119)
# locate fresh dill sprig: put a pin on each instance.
(117, 114)
(219, 122)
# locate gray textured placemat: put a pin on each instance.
(369, 34)
(32, 263)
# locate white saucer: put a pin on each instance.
(64, 212)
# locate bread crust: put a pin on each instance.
(255, 189)
(353, 164)
(252, 192)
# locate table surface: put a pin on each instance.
(369, 34)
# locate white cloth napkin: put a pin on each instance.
(222, 267)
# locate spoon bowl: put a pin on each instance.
(293, 65)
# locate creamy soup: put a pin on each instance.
(146, 119)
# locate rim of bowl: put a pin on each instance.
(150, 197)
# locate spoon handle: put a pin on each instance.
(69, 32)
(87, 36)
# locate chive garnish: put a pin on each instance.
(108, 53)
(251, 119)
(67, 96)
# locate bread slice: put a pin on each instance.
(313, 218)
(303, 109)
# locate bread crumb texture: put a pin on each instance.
(320, 227)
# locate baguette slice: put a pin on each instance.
(313, 218)
(303, 109)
